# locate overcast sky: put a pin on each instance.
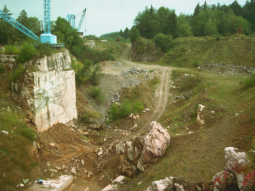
(103, 16)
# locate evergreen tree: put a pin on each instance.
(134, 34)
(126, 33)
(197, 10)
(205, 6)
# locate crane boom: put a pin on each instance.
(19, 26)
(82, 18)
(47, 24)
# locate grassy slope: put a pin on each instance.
(115, 48)
(199, 156)
(16, 159)
(237, 50)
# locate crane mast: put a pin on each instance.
(46, 9)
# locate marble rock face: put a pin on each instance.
(48, 94)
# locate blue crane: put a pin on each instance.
(47, 37)
(82, 18)
(19, 26)
(71, 19)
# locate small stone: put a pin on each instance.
(101, 178)
(25, 181)
(73, 171)
(82, 162)
(140, 183)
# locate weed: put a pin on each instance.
(27, 52)
(249, 82)
(9, 49)
(29, 133)
(175, 74)
(17, 73)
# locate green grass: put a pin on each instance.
(14, 152)
(194, 51)
(189, 156)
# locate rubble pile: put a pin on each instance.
(135, 71)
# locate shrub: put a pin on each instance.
(1, 51)
(27, 52)
(218, 37)
(29, 133)
(43, 49)
(165, 42)
(17, 73)
(9, 49)
(249, 82)
(95, 77)
(138, 107)
(2, 68)
(96, 93)
(125, 108)
(114, 112)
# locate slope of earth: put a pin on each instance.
(196, 152)
(194, 51)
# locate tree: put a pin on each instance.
(205, 6)
(165, 42)
(183, 26)
(237, 9)
(210, 28)
(197, 10)
(6, 29)
(172, 24)
(134, 34)
(126, 33)
(147, 23)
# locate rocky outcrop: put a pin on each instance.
(236, 175)
(145, 51)
(227, 68)
(140, 151)
(47, 91)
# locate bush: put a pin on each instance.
(138, 107)
(249, 82)
(43, 49)
(9, 49)
(218, 37)
(27, 52)
(2, 68)
(165, 42)
(29, 133)
(114, 112)
(17, 73)
(1, 51)
(95, 77)
(96, 93)
(125, 109)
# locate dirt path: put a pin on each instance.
(162, 91)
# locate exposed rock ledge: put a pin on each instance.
(47, 91)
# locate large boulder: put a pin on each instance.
(236, 174)
(143, 150)
(155, 142)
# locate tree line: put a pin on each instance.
(206, 20)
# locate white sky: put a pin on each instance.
(103, 16)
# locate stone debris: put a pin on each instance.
(101, 178)
(58, 184)
(134, 71)
(73, 171)
(5, 132)
(146, 109)
(200, 115)
(227, 68)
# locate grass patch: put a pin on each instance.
(2, 68)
